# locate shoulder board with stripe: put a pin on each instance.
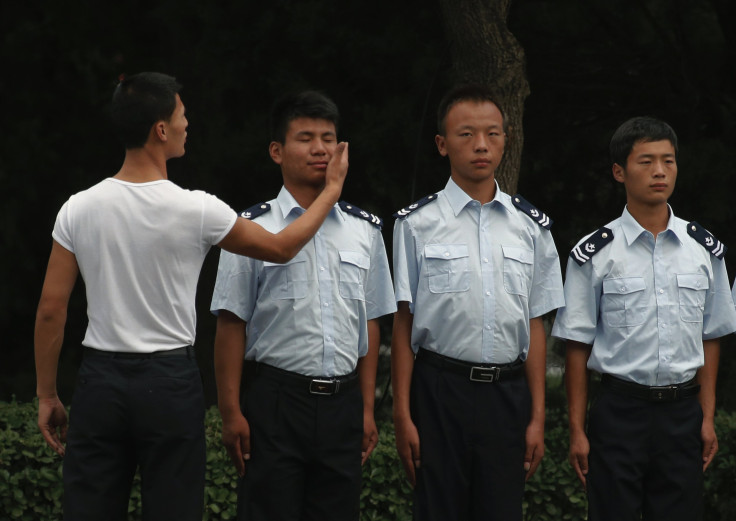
(541, 218)
(409, 209)
(354, 210)
(592, 245)
(706, 239)
(255, 210)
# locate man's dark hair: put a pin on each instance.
(467, 92)
(139, 101)
(637, 130)
(307, 104)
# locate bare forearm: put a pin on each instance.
(402, 361)
(228, 362)
(707, 376)
(48, 335)
(368, 365)
(536, 367)
(576, 383)
(48, 339)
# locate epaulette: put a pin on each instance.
(409, 209)
(706, 239)
(584, 251)
(525, 206)
(255, 210)
(354, 210)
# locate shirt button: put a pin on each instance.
(488, 327)
(327, 304)
(485, 259)
(447, 254)
(623, 288)
(661, 291)
(321, 268)
(488, 293)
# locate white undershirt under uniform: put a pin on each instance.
(140, 249)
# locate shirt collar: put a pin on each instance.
(458, 199)
(288, 205)
(633, 230)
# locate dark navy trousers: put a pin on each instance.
(472, 443)
(645, 459)
(129, 414)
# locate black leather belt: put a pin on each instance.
(664, 393)
(326, 386)
(485, 373)
(187, 351)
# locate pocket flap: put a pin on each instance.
(624, 285)
(518, 254)
(356, 258)
(446, 251)
(300, 257)
(692, 280)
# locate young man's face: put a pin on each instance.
(649, 174)
(176, 130)
(474, 140)
(304, 154)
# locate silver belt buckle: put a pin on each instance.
(485, 374)
(324, 387)
(664, 393)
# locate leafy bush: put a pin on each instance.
(31, 489)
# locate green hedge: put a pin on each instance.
(30, 475)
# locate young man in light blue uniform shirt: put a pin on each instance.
(474, 272)
(647, 300)
(311, 328)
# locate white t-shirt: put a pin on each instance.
(140, 249)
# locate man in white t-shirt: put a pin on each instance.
(139, 242)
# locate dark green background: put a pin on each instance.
(590, 64)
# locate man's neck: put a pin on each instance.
(304, 195)
(483, 191)
(141, 166)
(652, 218)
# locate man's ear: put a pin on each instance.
(618, 172)
(440, 142)
(274, 150)
(159, 130)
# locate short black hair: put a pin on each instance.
(466, 92)
(306, 104)
(139, 101)
(637, 130)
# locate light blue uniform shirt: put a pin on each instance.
(309, 315)
(646, 306)
(474, 275)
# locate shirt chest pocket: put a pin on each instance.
(517, 270)
(353, 269)
(447, 267)
(691, 290)
(286, 281)
(624, 301)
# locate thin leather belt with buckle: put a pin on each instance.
(665, 393)
(185, 351)
(326, 386)
(486, 373)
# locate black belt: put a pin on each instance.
(187, 351)
(664, 393)
(326, 386)
(486, 373)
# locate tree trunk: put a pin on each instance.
(484, 51)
